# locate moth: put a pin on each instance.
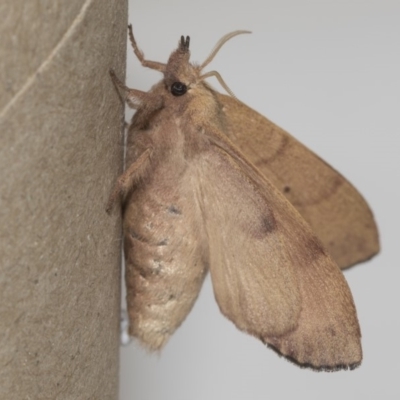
(211, 185)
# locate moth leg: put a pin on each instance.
(126, 181)
(133, 97)
(139, 54)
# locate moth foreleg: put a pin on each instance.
(139, 54)
(127, 180)
(133, 97)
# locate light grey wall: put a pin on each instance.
(328, 72)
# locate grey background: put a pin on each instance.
(328, 72)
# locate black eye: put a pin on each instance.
(178, 88)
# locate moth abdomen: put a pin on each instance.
(163, 253)
(172, 209)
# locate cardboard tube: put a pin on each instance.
(60, 153)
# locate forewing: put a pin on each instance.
(335, 210)
(271, 275)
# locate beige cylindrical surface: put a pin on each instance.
(60, 146)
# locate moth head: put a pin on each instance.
(181, 76)
(179, 73)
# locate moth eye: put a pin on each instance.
(178, 88)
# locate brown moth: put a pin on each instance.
(212, 185)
